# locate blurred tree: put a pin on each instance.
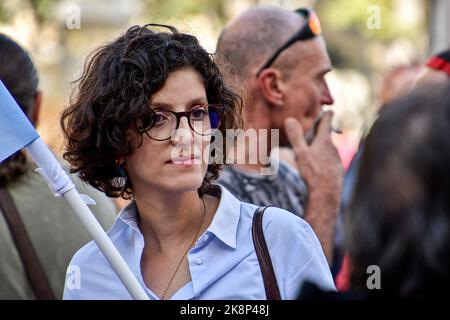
(5, 13)
(160, 11)
(353, 15)
(349, 27)
(41, 9)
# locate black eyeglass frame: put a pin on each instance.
(187, 114)
(303, 34)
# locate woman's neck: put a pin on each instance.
(169, 220)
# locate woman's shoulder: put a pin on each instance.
(88, 255)
(276, 218)
(295, 251)
(281, 226)
(87, 272)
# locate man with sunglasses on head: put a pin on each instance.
(282, 61)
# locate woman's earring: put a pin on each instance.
(121, 169)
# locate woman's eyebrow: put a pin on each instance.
(168, 106)
(198, 101)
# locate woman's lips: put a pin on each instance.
(190, 160)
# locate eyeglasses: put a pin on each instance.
(203, 120)
(310, 30)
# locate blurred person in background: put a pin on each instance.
(437, 70)
(45, 226)
(399, 216)
(398, 221)
(396, 82)
(282, 60)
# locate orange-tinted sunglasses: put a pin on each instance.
(310, 30)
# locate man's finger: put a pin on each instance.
(294, 132)
(324, 129)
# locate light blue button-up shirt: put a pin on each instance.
(223, 263)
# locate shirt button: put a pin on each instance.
(198, 261)
(205, 237)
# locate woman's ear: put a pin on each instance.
(269, 84)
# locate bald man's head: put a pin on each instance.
(256, 34)
(294, 85)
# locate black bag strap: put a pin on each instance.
(270, 281)
(33, 268)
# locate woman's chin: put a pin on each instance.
(185, 182)
(185, 187)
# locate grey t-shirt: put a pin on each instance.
(283, 188)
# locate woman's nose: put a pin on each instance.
(183, 134)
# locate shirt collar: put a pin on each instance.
(126, 217)
(225, 222)
(223, 226)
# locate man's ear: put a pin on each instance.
(35, 110)
(269, 84)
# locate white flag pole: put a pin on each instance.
(61, 185)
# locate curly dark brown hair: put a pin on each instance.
(113, 97)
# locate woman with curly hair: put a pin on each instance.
(147, 107)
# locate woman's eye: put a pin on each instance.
(199, 114)
(160, 119)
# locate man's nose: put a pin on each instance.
(326, 98)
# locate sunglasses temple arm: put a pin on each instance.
(276, 54)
